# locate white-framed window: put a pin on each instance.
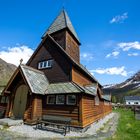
(97, 100)
(71, 99)
(45, 64)
(60, 99)
(51, 99)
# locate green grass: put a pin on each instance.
(128, 128)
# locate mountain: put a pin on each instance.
(6, 70)
(129, 87)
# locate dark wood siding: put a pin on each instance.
(36, 107)
(71, 111)
(60, 38)
(60, 71)
(72, 48)
(92, 112)
(68, 43)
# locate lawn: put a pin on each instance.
(128, 128)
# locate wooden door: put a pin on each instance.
(20, 101)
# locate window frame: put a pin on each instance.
(57, 100)
(48, 99)
(67, 100)
(45, 64)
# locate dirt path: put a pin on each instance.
(107, 131)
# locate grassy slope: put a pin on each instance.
(128, 128)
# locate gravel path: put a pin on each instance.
(98, 131)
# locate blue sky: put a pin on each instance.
(109, 32)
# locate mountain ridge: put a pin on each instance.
(131, 86)
(6, 71)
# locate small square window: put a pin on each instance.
(51, 99)
(45, 64)
(60, 99)
(71, 99)
(50, 62)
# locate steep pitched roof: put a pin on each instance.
(36, 79)
(61, 22)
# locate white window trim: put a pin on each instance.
(57, 100)
(68, 100)
(45, 65)
(48, 99)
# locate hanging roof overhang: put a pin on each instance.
(70, 87)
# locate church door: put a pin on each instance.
(20, 101)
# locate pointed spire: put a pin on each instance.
(62, 21)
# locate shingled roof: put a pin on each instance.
(36, 79)
(61, 22)
(70, 87)
(132, 97)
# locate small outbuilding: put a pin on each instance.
(132, 100)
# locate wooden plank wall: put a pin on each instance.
(36, 107)
(60, 71)
(92, 112)
(62, 110)
(80, 78)
(28, 110)
(72, 48)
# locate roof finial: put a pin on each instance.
(21, 60)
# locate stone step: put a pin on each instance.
(10, 122)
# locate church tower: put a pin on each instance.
(64, 34)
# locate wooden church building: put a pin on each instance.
(53, 82)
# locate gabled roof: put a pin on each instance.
(61, 22)
(36, 79)
(132, 97)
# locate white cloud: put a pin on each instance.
(119, 18)
(14, 54)
(86, 56)
(126, 46)
(111, 71)
(113, 54)
(133, 54)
